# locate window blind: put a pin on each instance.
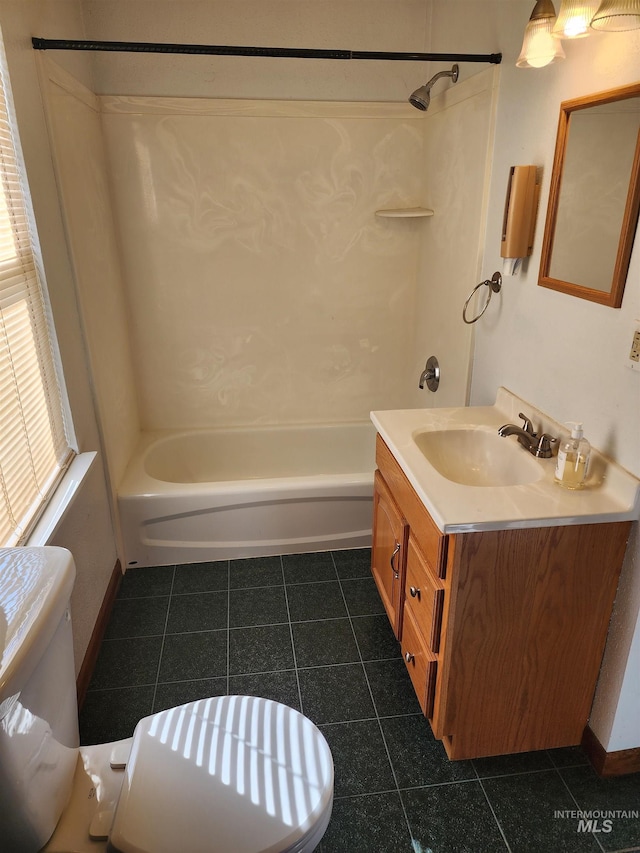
(34, 447)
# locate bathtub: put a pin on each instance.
(195, 496)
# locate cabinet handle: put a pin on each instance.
(393, 557)
(409, 657)
(414, 592)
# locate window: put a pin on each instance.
(34, 443)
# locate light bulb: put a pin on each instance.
(539, 47)
(574, 18)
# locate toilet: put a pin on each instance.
(227, 774)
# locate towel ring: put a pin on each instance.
(494, 284)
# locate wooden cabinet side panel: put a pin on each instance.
(524, 629)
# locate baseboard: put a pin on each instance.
(93, 649)
(609, 763)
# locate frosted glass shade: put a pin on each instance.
(574, 18)
(539, 47)
(617, 16)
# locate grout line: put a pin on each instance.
(198, 592)
(199, 631)
(365, 794)
(166, 622)
(578, 806)
(120, 687)
(120, 599)
(535, 772)
(293, 645)
(495, 816)
(375, 708)
(133, 637)
(228, 686)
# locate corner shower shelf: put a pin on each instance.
(405, 213)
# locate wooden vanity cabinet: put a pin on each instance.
(503, 631)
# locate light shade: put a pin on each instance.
(574, 18)
(539, 47)
(617, 16)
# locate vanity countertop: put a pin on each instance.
(610, 494)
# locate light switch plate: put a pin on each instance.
(633, 360)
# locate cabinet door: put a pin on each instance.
(390, 534)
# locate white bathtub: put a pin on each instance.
(194, 496)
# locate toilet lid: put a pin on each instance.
(231, 773)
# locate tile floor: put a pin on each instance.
(310, 631)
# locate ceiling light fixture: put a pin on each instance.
(539, 47)
(574, 18)
(616, 16)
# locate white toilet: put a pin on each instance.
(232, 774)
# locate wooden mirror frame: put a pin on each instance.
(612, 297)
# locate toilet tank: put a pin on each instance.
(38, 710)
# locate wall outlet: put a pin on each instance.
(634, 353)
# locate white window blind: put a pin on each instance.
(34, 448)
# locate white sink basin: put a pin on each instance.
(478, 457)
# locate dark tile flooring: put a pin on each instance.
(310, 631)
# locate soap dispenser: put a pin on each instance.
(573, 459)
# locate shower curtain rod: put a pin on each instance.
(283, 52)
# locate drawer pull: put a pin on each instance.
(392, 561)
(409, 657)
(414, 592)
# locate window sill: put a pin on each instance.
(61, 500)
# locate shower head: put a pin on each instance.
(421, 97)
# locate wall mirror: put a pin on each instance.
(594, 196)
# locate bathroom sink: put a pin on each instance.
(449, 454)
(478, 457)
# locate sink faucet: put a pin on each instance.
(541, 446)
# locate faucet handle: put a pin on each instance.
(546, 446)
(527, 426)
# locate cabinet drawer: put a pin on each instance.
(424, 596)
(420, 663)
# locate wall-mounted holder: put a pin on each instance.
(494, 284)
(405, 213)
(519, 221)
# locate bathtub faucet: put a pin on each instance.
(430, 374)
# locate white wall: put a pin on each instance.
(87, 530)
(78, 151)
(353, 25)
(566, 355)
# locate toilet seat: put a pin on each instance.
(230, 773)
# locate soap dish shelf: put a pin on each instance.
(405, 213)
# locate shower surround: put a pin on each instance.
(232, 274)
(262, 287)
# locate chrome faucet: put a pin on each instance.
(541, 446)
(430, 374)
